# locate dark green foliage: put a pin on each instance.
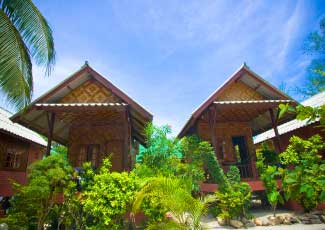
(233, 175)
(233, 200)
(34, 203)
(25, 34)
(269, 174)
(166, 156)
(270, 157)
(214, 167)
(305, 182)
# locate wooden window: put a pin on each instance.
(82, 155)
(13, 159)
(92, 154)
(88, 153)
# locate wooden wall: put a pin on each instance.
(303, 132)
(224, 133)
(106, 127)
(109, 137)
(30, 153)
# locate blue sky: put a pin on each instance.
(171, 55)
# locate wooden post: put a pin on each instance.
(126, 140)
(212, 123)
(50, 122)
(274, 120)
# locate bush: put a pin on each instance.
(34, 203)
(235, 199)
(109, 198)
(304, 175)
(233, 202)
(269, 175)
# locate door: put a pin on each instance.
(240, 148)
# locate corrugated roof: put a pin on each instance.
(78, 104)
(314, 101)
(245, 75)
(252, 102)
(8, 126)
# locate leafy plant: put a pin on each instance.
(109, 198)
(175, 197)
(304, 175)
(34, 203)
(233, 175)
(234, 199)
(232, 202)
(25, 34)
(269, 174)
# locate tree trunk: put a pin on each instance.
(274, 208)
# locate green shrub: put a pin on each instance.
(269, 175)
(35, 203)
(304, 175)
(233, 202)
(109, 198)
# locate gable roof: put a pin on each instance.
(31, 115)
(245, 75)
(314, 101)
(11, 128)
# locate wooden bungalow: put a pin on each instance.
(300, 128)
(19, 147)
(244, 106)
(92, 117)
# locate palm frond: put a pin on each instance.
(34, 29)
(16, 80)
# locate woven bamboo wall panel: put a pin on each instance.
(90, 116)
(240, 92)
(88, 92)
(108, 137)
(224, 133)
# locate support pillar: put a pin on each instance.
(212, 123)
(127, 137)
(50, 122)
(274, 120)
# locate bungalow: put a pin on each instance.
(244, 106)
(19, 147)
(92, 117)
(303, 129)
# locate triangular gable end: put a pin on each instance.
(243, 85)
(84, 86)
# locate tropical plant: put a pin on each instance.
(314, 46)
(175, 197)
(233, 200)
(161, 151)
(213, 167)
(269, 175)
(233, 175)
(24, 34)
(34, 203)
(109, 198)
(304, 175)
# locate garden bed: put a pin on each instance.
(305, 221)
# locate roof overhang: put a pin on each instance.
(35, 115)
(254, 81)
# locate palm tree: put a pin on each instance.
(175, 196)
(24, 34)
